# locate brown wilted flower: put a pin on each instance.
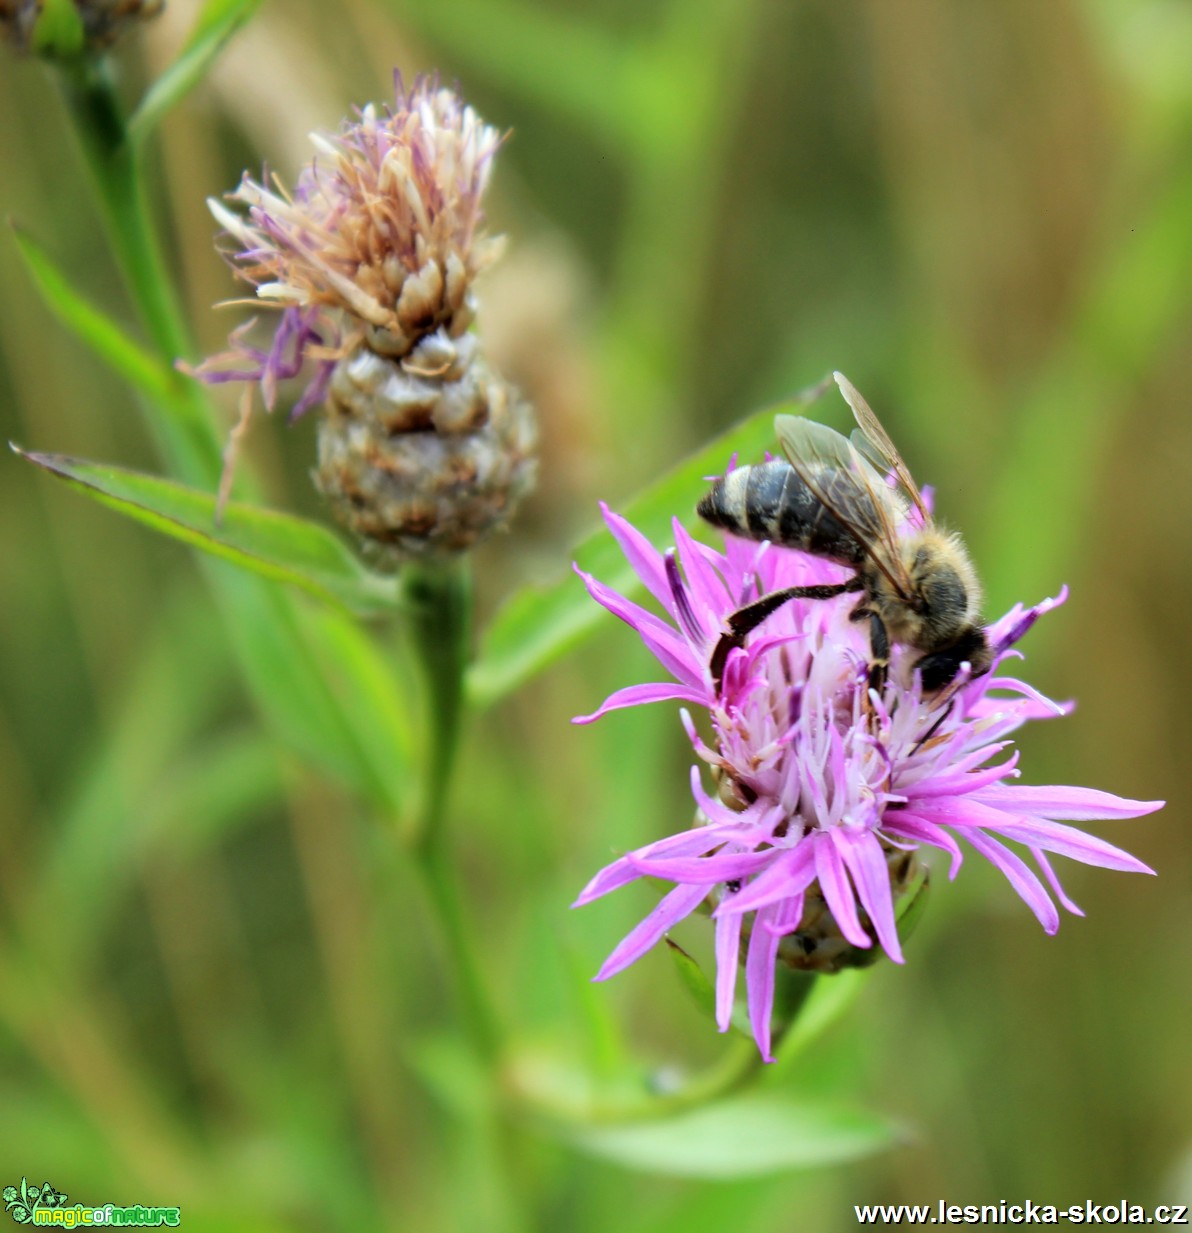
(370, 263)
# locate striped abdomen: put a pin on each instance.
(771, 501)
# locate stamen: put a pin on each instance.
(683, 609)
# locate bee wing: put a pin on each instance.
(874, 442)
(850, 488)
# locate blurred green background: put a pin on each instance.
(216, 985)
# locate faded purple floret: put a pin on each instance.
(298, 331)
(818, 778)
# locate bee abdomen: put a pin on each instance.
(771, 501)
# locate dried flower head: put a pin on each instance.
(825, 790)
(103, 21)
(370, 264)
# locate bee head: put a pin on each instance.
(940, 667)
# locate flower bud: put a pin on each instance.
(371, 261)
(426, 455)
(26, 23)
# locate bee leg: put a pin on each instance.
(879, 646)
(745, 620)
(935, 727)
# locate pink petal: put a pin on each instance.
(759, 980)
(1077, 804)
(792, 871)
(1068, 841)
(645, 559)
(1044, 704)
(1021, 878)
(957, 784)
(704, 870)
(711, 599)
(637, 695)
(728, 950)
(665, 643)
(743, 560)
(621, 872)
(1016, 710)
(866, 862)
(838, 892)
(908, 825)
(671, 909)
(1054, 882)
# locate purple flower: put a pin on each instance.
(822, 787)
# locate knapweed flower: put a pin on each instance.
(823, 790)
(369, 265)
(103, 21)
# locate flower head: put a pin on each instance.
(369, 265)
(824, 789)
(380, 241)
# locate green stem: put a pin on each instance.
(437, 597)
(189, 439)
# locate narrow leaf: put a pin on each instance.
(219, 20)
(293, 658)
(540, 623)
(372, 692)
(745, 1136)
(693, 978)
(104, 336)
(275, 545)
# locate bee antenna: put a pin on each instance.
(813, 393)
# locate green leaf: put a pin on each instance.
(144, 371)
(693, 978)
(217, 23)
(744, 1136)
(369, 688)
(703, 992)
(298, 663)
(276, 545)
(539, 624)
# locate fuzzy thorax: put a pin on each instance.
(945, 597)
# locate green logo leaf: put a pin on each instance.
(24, 1202)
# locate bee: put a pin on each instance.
(830, 497)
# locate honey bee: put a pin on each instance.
(830, 497)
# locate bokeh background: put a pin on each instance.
(216, 984)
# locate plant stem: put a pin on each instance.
(189, 439)
(437, 596)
